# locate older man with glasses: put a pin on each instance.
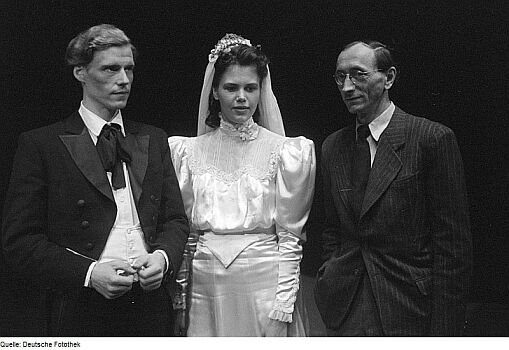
(397, 240)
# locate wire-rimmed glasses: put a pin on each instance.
(356, 76)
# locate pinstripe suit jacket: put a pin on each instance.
(412, 238)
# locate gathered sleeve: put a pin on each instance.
(295, 182)
(180, 158)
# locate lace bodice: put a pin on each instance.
(256, 159)
(232, 185)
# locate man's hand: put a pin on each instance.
(150, 270)
(112, 279)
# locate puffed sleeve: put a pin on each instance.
(295, 182)
(180, 159)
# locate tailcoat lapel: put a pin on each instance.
(80, 146)
(138, 145)
(78, 142)
(387, 162)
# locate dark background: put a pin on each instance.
(453, 69)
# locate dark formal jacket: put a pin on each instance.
(59, 208)
(412, 238)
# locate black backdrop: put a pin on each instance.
(453, 69)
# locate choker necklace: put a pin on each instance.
(247, 131)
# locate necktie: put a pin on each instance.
(112, 150)
(361, 167)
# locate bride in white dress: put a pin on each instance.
(247, 190)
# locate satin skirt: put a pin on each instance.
(236, 301)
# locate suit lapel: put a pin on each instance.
(387, 162)
(80, 146)
(138, 145)
(342, 163)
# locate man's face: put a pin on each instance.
(364, 99)
(107, 80)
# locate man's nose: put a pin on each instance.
(123, 78)
(348, 85)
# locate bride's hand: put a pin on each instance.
(276, 328)
(180, 325)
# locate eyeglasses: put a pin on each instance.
(356, 76)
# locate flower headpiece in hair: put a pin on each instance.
(225, 45)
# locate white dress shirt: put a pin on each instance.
(126, 241)
(377, 127)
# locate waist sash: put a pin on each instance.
(226, 247)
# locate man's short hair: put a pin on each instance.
(81, 49)
(383, 56)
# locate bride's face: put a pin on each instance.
(238, 93)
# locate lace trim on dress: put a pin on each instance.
(274, 161)
(260, 174)
(246, 132)
(282, 310)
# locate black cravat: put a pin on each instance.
(112, 150)
(361, 167)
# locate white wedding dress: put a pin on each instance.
(247, 193)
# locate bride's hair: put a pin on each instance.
(243, 55)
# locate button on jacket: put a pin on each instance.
(59, 208)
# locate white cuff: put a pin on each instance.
(282, 316)
(163, 253)
(89, 274)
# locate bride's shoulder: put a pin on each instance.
(179, 143)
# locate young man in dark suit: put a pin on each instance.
(93, 213)
(397, 239)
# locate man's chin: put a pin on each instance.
(119, 105)
(354, 109)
